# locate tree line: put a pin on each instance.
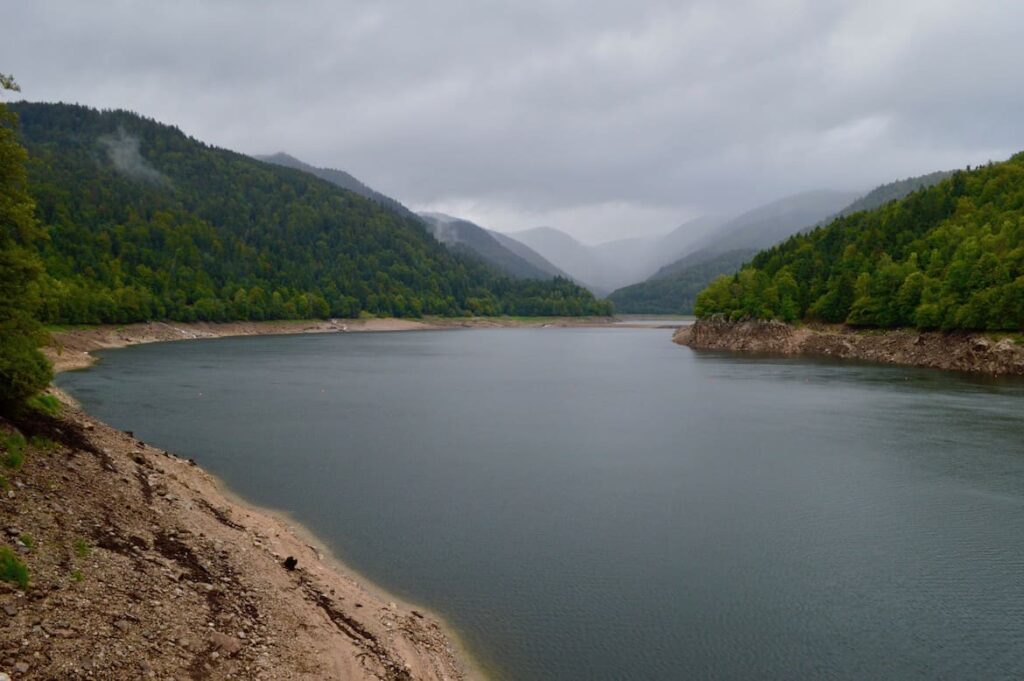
(947, 257)
(108, 217)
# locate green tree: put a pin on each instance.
(23, 369)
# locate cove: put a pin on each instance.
(603, 504)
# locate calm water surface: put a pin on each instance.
(603, 504)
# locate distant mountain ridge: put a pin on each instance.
(457, 235)
(674, 288)
(146, 223)
(949, 256)
(606, 266)
(336, 177)
(503, 253)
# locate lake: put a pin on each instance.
(604, 504)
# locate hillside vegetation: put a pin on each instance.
(677, 292)
(947, 257)
(23, 369)
(143, 222)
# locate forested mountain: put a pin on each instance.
(460, 236)
(947, 257)
(879, 196)
(677, 292)
(144, 222)
(674, 287)
(475, 241)
(336, 177)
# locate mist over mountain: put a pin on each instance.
(893, 191)
(606, 266)
(566, 253)
(772, 222)
(466, 237)
(674, 287)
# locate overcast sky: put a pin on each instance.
(605, 119)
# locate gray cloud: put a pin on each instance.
(603, 118)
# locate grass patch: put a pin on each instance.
(27, 540)
(13, 446)
(45, 404)
(81, 548)
(11, 569)
(43, 443)
(77, 575)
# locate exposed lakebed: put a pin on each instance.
(603, 504)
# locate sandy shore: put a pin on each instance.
(143, 565)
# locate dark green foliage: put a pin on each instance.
(879, 196)
(11, 569)
(23, 369)
(146, 223)
(947, 257)
(676, 293)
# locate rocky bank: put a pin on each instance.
(142, 566)
(970, 352)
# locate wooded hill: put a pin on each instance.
(143, 222)
(674, 288)
(946, 257)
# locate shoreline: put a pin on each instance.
(978, 353)
(324, 620)
(70, 348)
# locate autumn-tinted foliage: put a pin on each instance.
(147, 223)
(947, 257)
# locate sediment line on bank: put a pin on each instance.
(968, 352)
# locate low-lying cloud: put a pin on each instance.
(123, 151)
(549, 112)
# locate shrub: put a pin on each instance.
(11, 569)
(46, 404)
(13, 445)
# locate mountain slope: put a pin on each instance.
(949, 256)
(475, 241)
(674, 287)
(769, 224)
(336, 177)
(146, 223)
(460, 236)
(529, 255)
(677, 294)
(893, 191)
(568, 254)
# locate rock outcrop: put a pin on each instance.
(971, 352)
